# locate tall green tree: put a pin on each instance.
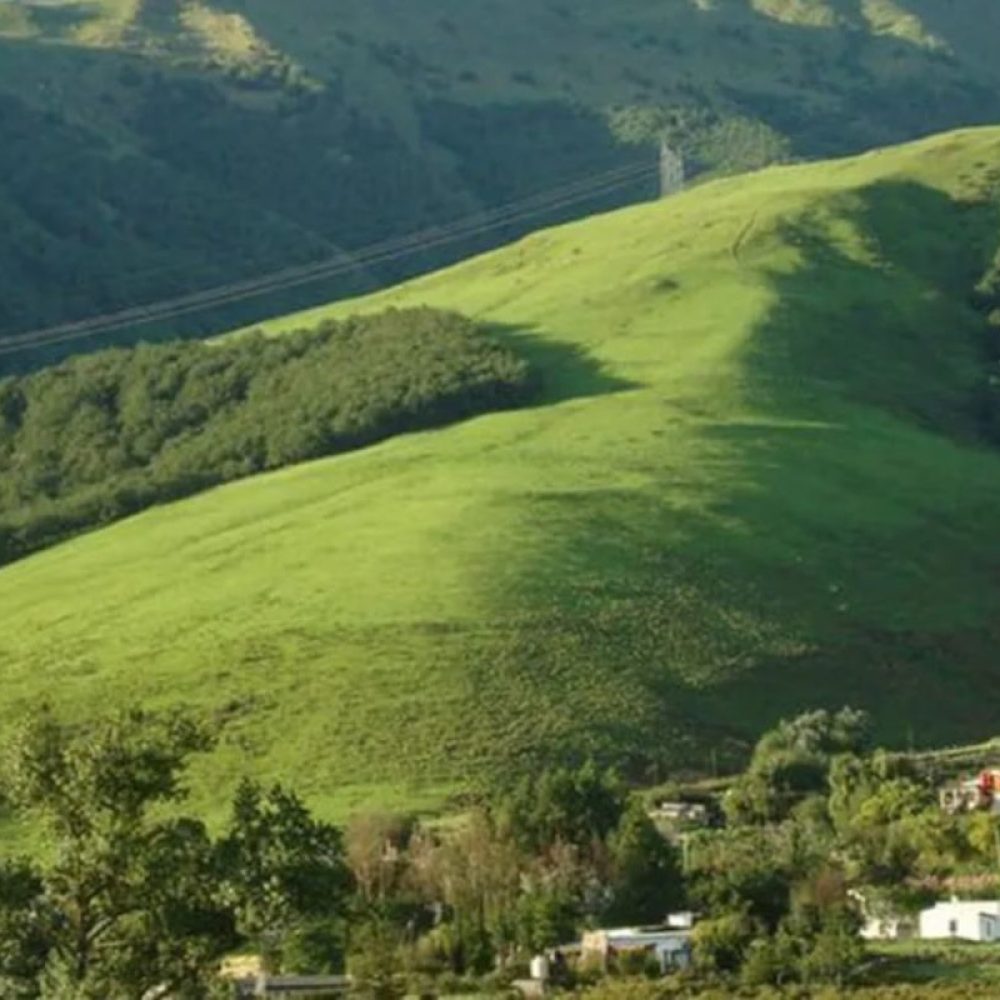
(280, 867)
(646, 873)
(128, 896)
(25, 924)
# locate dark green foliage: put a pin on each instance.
(576, 807)
(508, 151)
(749, 871)
(316, 947)
(721, 943)
(279, 867)
(646, 880)
(711, 141)
(545, 918)
(986, 298)
(23, 944)
(792, 761)
(87, 230)
(374, 962)
(103, 436)
(126, 902)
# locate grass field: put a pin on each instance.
(753, 486)
(937, 962)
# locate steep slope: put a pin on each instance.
(177, 144)
(755, 485)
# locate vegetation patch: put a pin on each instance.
(103, 436)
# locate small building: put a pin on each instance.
(979, 794)
(975, 920)
(670, 945)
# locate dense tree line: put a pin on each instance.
(131, 895)
(106, 435)
(134, 896)
(821, 833)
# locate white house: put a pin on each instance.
(977, 920)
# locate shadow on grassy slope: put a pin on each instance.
(873, 516)
(878, 309)
(563, 371)
(852, 558)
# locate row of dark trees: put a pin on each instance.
(125, 894)
(105, 435)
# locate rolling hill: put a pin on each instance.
(152, 147)
(755, 483)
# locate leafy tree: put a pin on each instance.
(646, 876)
(721, 943)
(375, 851)
(24, 929)
(544, 918)
(836, 951)
(772, 960)
(792, 761)
(317, 947)
(748, 870)
(476, 874)
(888, 824)
(374, 961)
(580, 807)
(127, 899)
(280, 867)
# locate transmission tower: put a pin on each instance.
(672, 175)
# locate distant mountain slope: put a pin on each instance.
(756, 483)
(176, 144)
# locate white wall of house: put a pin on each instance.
(966, 921)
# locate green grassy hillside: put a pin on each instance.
(754, 484)
(152, 147)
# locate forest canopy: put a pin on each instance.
(103, 436)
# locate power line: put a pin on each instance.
(382, 252)
(379, 253)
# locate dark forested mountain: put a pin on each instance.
(153, 147)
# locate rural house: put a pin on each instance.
(976, 920)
